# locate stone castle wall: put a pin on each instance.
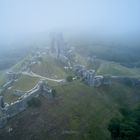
(21, 104)
(89, 77)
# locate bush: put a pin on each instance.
(125, 111)
(53, 93)
(34, 102)
(69, 78)
(114, 128)
(128, 128)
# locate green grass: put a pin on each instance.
(90, 109)
(78, 108)
(50, 67)
(24, 83)
(52, 83)
(112, 68)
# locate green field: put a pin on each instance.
(78, 108)
(90, 109)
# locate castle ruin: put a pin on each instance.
(9, 110)
(89, 77)
(57, 45)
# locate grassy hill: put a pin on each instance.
(112, 68)
(79, 112)
(128, 56)
(103, 66)
(50, 67)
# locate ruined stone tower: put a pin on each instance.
(57, 44)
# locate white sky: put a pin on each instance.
(29, 16)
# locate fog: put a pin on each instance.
(69, 69)
(99, 17)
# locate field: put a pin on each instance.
(79, 112)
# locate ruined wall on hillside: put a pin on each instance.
(22, 103)
(6, 86)
(10, 78)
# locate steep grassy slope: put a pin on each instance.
(50, 67)
(91, 108)
(113, 68)
(78, 113)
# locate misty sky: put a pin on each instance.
(29, 16)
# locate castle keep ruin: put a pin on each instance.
(57, 45)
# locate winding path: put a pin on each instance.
(42, 77)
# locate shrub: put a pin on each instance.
(69, 78)
(53, 93)
(128, 128)
(34, 102)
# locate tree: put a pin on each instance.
(53, 93)
(34, 102)
(114, 128)
(127, 128)
(69, 78)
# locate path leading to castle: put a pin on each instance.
(42, 77)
